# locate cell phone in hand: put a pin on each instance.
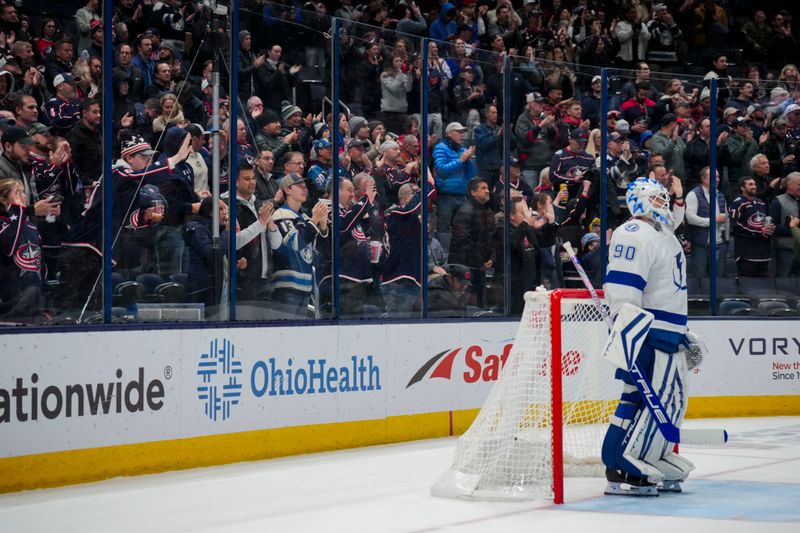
(56, 199)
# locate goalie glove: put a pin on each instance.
(696, 349)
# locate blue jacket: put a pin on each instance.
(294, 259)
(441, 29)
(489, 143)
(452, 175)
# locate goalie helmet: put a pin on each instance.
(647, 198)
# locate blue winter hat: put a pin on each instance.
(173, 139)
(589, 237)
(644, 137)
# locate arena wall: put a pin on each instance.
(86, 405)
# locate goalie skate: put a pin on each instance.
(622, 484)
(673, 486)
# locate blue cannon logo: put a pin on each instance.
(221, 372)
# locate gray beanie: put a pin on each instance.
(355, 123)
(242, 35)
(288, 109)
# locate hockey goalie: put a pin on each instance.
(646, 290)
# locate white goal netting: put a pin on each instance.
(508, 452)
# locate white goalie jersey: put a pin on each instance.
(647, 268)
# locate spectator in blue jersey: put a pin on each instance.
(751, 230)
(454, 166)
(355, 249)
(473, 229)
(182, 202)
(293, 278)
(321, 170)
(572, 164)
(402, 272)
(22, 269)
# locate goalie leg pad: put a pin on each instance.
(627, 336)
(634, 444)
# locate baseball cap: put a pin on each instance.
(791, 109)
(454, 126)
(196, 130)
(613, 113)
(597, 78)
(38, 127)
(623, 127)
(65, 77)
(614, 136)
(729, 111)
(4, 121)
(741, 121)
(534, 97)
(355, 143)
(320, 144)
(461, 272)
(579, 134)
(667, 119)
(290, 179)
(780, 121)
(15, 134)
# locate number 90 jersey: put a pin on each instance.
(647, 268)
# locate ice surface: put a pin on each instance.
(751, 485)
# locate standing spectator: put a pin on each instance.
(266, 183)
(22, 268)
(669, 144)
(84, 138)
(785, 212)
(741, 148)
(197, 157)
(591, 104)
(767, 185)
(392, 173)
(445, 26)
(719, 70)
(395, 84)
(664, 35)
(402, 272)
(130, 13)
(368, 72)
(125, 64)
(143, 59)
(633, 37)
(573, 164)
(355, 247)
(274, 79)
(751, 233)
(293, 279)
(697, 153)
(83, 19)
(257, 237)
(489, 146)
(640, 106)
(168, 18)
(438, 80)
(205, 273)
(454, 166)
(467, 98)
(778, 148)
(162, 82)
(533, 130)
(249, 63)
(698, 212)
(473, 229)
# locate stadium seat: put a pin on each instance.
(784, 312)
(727, 307)
(179, 278)
(170, 292)
(764, 307)
(149, 282)
(127, 293)
(116, 279)
(699, 305)
(744, 311)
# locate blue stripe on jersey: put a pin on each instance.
(625, 278)
(672, 318)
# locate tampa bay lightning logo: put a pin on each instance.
(679, 273)
(632, 227)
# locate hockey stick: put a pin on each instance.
(671, 432)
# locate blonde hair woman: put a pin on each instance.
(171, 113)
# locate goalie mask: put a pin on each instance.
(647, 198)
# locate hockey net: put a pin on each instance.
(555, 394)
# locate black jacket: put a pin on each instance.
(87, 151)
(473, 227)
